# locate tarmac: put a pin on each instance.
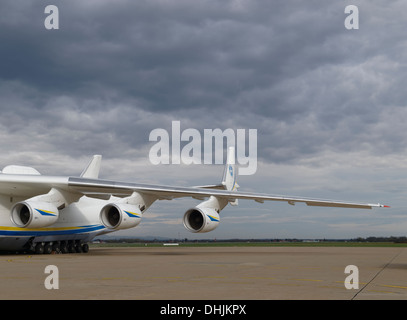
(208, 273)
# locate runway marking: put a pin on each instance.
(14, 277)
(259, 278)
(382, 291)
(390, 286)
(20, 259)
(234, 282)
(115, 278)
(331, 287)
(316, 280)
(284, 284)
(360, 282)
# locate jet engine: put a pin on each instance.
(34, 214)
(120, 216)
(201, 219)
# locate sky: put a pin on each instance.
(328, 103)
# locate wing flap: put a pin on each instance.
(340, 205)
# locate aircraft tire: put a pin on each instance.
(39, 248)
(85, 248)
(48, 248)
(78, 248)
(56, 248)
(63, 247)
(71, 248)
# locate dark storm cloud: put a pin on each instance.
(172, 54)
(115, 71)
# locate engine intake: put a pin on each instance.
(34, 214)
(120, 216)
(200, 220)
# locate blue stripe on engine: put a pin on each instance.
(45, 213)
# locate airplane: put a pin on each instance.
(59, 214)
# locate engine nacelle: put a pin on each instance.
(201, 219)
(34, 214)
(120, 216)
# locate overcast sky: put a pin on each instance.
(328, 103)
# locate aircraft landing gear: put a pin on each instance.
(85, 248)
(48, 248)
(39, 248)
(70, 246)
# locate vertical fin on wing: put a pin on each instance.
(230, 171)
(229, 175)
(93, 168)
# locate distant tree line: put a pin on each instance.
(382, 239)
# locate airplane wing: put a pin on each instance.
(98, 188)
(21, 182)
